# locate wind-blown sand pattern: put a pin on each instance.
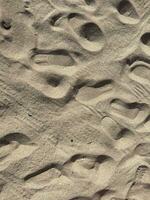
(75, 100)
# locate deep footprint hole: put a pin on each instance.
(146, 39)
(123, 133)
(54, 81)
(90, 31)
(126, 8)
(6, 24)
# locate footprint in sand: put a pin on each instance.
(95, 92)
(57, 58)
(88, 33)
(127, 12)
(90, 166)
(10, 142)
(13, 147)
(16, 38)
(132, 113)
(140, 72)
(123, 137)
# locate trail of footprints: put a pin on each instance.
(82, 166)
(91, 38)
(78, 166)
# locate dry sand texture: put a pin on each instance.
(74, 99)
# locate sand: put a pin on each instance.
(74, 100)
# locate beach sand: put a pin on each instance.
(74, 100)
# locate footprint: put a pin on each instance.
(140, 72)
(97, 91)
(123, 137)
(85, 161)
(127, 9)
(89, 167)
(126, 140)
(132, 112)
(94, 38)
(88, 33)
(125, 109)
(111, 127)
(128, 13)
(18, 137)
(43, 176)
(16, 39)
(91, 32)
(10, 142)
(105, 166)
(6, 24)
(58, 57)
(52, 85)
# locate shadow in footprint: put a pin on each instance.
(18, 137)
(127, 9)
(43, 176)
(145, 39)
(91, 32)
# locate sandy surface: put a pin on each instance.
(74, 100)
